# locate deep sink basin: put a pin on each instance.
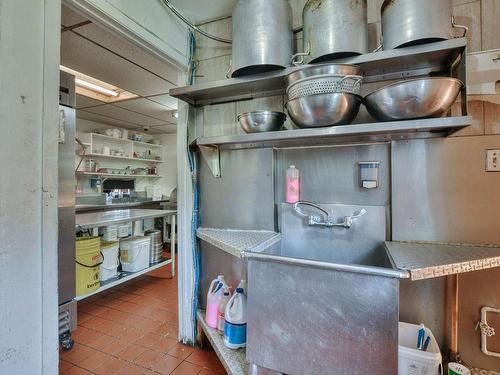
(323, 300)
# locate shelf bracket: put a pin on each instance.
(211, 155)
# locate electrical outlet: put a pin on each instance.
(492, 160)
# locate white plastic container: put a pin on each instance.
(109, 233)
(214, 296)
(153, 192)
(221, 316)
(110, 263)
(412, 361)
(292, 193)
(235, 325)
(134, 253)
(123, 230)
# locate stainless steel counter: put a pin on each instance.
(114, 206)
(103, 218)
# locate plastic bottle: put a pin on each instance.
(222, 311)
(215, 292)
(292, 185)
(235, 326)
(243, 285)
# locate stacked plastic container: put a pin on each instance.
(134, 253)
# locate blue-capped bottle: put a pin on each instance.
(235, 326)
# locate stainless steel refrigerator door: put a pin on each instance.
(66, 204)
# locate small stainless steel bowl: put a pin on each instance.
(261, 121)
(324, 109)
(413, 99)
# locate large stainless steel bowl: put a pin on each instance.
(261, 121)
(324, 109)
(413, 99)
(320, 69)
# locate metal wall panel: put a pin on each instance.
(441, 192)
(243, 197)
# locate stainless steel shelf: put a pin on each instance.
(235, 242)
(356, 133)
(425, 260)
(116, 175)
(103, 218)
(234, 361)
(123, 277)
(398, 63)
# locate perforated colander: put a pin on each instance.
(324, 84)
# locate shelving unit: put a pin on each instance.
(116, 175)
(234, 361)
(94, 155)
(123, 277)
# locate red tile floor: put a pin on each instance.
(132, 330)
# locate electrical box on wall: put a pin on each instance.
(492, 160)
(369, 174)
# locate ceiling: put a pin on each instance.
(92, 50)
(202, 11)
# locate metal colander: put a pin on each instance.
(324, 84)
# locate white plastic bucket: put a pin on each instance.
(412, 361)
(123, 230)
(134, 253)
(109, 233)
(110, 263)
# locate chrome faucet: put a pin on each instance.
(327, 221)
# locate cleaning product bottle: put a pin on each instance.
(222, 311)
(243, 285)
(235, 326)
(292, 185)
(215, 292)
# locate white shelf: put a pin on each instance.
(116, 175)
(236, 242)
(146, 145)
(124, 277)
(110, 138)
(234, 361)
(94, 155)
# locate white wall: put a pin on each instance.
(167, 169)
(148, 22)
(29, 76)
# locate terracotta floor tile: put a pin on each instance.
(210, 372)
(201, 357)
(181, 351)
(132, 334)
(64, 366)
(94, 361)
(147, 358)
(148, 340)
(112, 366)
(131, 352)
(93, 322)
(98, 340)
(131, 369)
(76, 371)
(186, 368)
(164, 344)
(115, 346)
(78, 354)
(166, 364)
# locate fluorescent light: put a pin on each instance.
(94, 87)
(175, 114)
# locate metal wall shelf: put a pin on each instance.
(399, 63)
(234, 361)
(235, 242)
(425, 260)
(356, 133)
(116, 175)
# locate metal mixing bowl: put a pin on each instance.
(261, 121)
(413, 99)
(324, 109)
(315, 70)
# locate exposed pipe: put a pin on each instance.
(193, 26)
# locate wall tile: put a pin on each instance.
(207, 48)
(492, 118)
(469, 14)
(490, 16)
(219, 119)
(477, 112)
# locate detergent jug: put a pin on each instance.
(235, 325)
(215, 293)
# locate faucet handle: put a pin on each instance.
(348, 220)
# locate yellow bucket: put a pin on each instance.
(88, 262)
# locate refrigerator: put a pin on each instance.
(66, 210)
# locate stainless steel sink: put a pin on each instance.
(324, 300)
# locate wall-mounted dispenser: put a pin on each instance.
(369, 174)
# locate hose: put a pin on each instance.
(193, 26)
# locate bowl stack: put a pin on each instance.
(324, 95)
